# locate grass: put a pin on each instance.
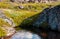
(19, 15)
(2, 32)
(2, 22)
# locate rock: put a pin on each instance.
(49, 18)
(20, 7)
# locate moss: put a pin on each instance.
(2, 32)
(2, 22)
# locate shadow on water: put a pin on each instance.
(35, 25)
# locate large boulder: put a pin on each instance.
(51, 16)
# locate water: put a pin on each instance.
(23, 34)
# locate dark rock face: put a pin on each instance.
(54, 22)
(51, 17)
(54, 18)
